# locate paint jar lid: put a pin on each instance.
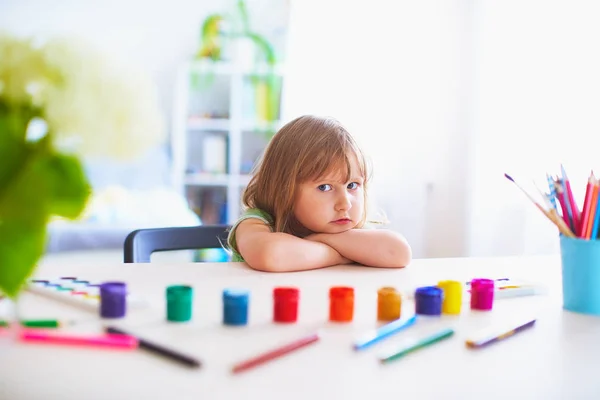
(113, 288)
(429, 291)
(176, 293)
(482, 284)
(235, 296)
(341, 292)
(286, 294)
(388, 292)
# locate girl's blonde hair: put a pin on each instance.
(304, 149)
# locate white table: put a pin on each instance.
(558, 359)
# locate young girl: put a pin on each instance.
(306, 205)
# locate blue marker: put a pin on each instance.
(383, 332)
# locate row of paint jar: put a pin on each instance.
(444, 298)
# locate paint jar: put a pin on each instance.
(428, 300)
(285, 304)
(235, 307)
(580, 260)
(113, 299)
(452, 298)
(389, 304)
(341, 304)
(179, 303)
(482, 294)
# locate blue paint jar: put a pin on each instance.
(428, 300)
(235, 307)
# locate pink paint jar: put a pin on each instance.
(482, 294)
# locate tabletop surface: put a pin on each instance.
(557, 359)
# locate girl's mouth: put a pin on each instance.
(342, 221)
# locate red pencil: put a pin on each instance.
(560, 195)
(275, 353)
(571, 199)
(587, 203)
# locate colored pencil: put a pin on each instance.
(493, 335)
(563, 205)
(383, 332)
(593, 211)
(550, 214)
(275, 353)
(416, 344)
(552, 190)
(596, 223)
(575, 214)
(159, 349)
(587, 203)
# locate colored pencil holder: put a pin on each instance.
(580, 275)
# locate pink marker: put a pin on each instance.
(108, 340)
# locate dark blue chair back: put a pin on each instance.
(140, 244)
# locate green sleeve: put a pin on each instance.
(250, 213)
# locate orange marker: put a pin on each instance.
(341, 304)
(389, 304)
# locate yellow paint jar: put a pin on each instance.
(453, 291)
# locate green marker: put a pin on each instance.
(35, 323)
(417, 344)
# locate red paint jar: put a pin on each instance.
(285, 304)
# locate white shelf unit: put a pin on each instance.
(224, 109)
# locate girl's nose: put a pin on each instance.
(343, 203)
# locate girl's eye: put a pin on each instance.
(353, 185)
(324, 188)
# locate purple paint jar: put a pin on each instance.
(482, 294)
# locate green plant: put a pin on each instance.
(59, 101)
(214, 37)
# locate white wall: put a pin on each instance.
(397, 80)
(536, 99)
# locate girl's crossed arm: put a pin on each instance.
(264, 250)
(371, 247)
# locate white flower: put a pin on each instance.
(93, 105)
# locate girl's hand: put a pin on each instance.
(372, 247)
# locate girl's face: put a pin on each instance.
(331, 204)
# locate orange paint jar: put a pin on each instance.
(389, 304)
